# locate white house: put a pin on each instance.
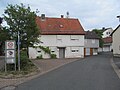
(107, 46)
(116, 41)
(91, 43)
(64, 37)
(107, 32)
(107, 40)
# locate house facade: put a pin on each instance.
(107, 32)
(107, 46)
(91, 43)
(116, 43)
(107, 40)
(63, 36)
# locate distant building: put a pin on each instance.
(91, 43)
(107, 32)
(107, 39)
(64, 37)
(107, 46)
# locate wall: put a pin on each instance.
(92, 43)
(74, 45)
(116, 41)
(62, 40)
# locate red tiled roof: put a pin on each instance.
(107, 40)
(52, 26)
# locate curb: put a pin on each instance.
(115, 67)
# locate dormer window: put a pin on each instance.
(61, 26)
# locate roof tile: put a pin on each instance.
(107, 40)
(59, 26)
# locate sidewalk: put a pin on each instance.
(115, 62)
(43, 65)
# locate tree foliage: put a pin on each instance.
(21, 18)
(99, 32)
(1, 20)
(4, 35)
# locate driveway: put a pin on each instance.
(91, 73)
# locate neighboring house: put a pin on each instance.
(107, 46)
(116, 41)
(107, 40)
(91, 43)
(64, 36)
(107, 32)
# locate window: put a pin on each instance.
(75, 51)
(52, 51)
(61, 26)
(59, 37)
(39, 51)
(74, 37)
(107, 33)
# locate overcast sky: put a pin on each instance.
(91, 13)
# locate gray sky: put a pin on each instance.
(91, 13)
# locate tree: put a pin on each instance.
(22, 19)
(4, 35)
(99, 32)
(1, 20)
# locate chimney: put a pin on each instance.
(103, 28)
(67, 15)
(43, 17)
(62, 16)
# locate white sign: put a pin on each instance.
(10, 53)
(10, 61)
(10, 45)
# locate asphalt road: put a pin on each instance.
(91, 73)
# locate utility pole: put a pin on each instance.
(18, 51)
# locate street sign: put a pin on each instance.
(10, 45)
(10, 53)
(10, 61)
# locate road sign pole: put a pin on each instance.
(18, 51)
(5, 66)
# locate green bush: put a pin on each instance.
(40, 57)
(53, 56)
(25, 63)
(45, 49)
